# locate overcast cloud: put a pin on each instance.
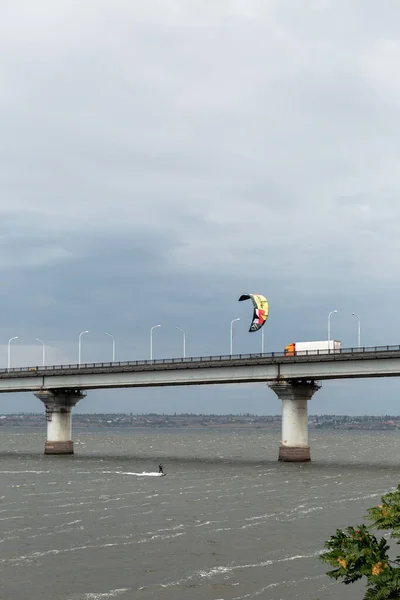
(158, 159)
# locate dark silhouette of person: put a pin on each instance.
(160, 469)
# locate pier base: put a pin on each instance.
(295, 395)
(59, 419)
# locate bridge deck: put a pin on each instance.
(381, 361)
(236, 360)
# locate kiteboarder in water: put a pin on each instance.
(160, 469)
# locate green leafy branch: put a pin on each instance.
(356, 552)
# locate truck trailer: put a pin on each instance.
(304, 348)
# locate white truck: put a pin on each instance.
(304, 348)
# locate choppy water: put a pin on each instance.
(227, 523)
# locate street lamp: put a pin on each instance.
(232, 322)
(79, 346)
(151, 340)
(359, 329)
(43, 350)
(184, 341)
(9, 351)
(329, 324)
(113, 345)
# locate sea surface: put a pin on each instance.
(228, 522)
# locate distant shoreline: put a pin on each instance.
(130, 422)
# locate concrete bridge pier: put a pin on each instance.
(59, 419)
(295, 396)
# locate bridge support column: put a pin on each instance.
(59, 419)
(295, 396)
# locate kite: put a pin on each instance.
(260, 310)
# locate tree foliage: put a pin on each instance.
(356, 552)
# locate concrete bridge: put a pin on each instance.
(294, 379)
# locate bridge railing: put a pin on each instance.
(270, 356)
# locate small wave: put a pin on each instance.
(291, 583)
(228, 569)
(266, 516)
(266, 563)
(160, 537)
(70, 523)
(206, 523)
(19, 472)
(310, 510)
(110, 594)
(144, 474)
(364, 497)
(35, 555)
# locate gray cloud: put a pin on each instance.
(159, 159)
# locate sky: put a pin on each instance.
(159, 159)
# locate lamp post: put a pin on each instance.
(9, 351)
(184, 341)
(43, 350)
(329, 324)
(231, 339)
(113, 345)
(79, 346)
(151, 340)
(359, 329)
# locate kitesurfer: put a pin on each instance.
(160, 469)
